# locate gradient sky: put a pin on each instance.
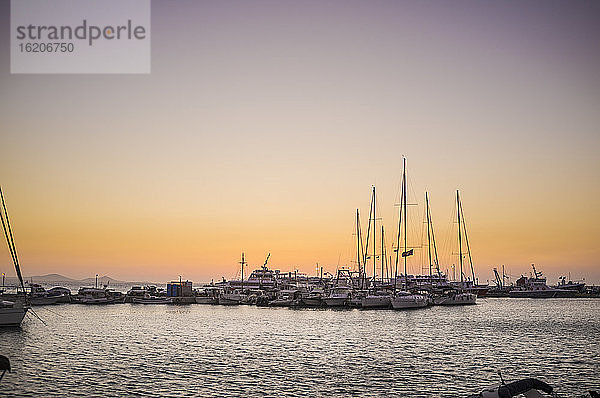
(264, 124)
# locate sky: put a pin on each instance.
(264, 124)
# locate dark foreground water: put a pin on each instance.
(198, 350)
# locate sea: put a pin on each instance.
(129, 350)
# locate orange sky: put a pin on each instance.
(263, 126)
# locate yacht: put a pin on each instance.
(404, 300)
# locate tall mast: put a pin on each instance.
(10, 242)
(243, 262)
(435, 258)
(382, 255)
(405, 221)
(366, 252)
(467, 242)
(360, 250)
(374, 241)
(428, 234)
(399, 233)
(459, 239)
(358, 242)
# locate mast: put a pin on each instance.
(398, 236)
(243, 262)
(467, 242)
(428, 234)
(382, 256)
(358, 243)
(366, 252)
(10, 242)
(374, 241)
(459, 239)
(405, 221)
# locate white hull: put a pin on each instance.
(206, 300)
(336, 301)
(12, 316)
(408, 301)
(137, 300)
(458, 299)
(376, 302)
(231, 299)
(103, 300)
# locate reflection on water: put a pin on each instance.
(133, 350)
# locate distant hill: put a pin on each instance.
(49, 278)
(57, 278)
(102, 279)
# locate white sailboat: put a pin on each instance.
(376, 299)
(458, 295)
(405, 299)
(12, 311)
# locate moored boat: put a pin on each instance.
(12, 311)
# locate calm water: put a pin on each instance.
(197, 350)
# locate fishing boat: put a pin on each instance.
(12, 311)
(536, 287)
(39, 296)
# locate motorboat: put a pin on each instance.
(338, 296)
(62, 294)
(39, 296)
(149, 299)
(94, 295)
(285, 298)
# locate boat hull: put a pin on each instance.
(458, 299)
(408, 302)
(12, 316)
(206, 300)
(336, 301)
(43, 300)
(550, 293)
(376, 302)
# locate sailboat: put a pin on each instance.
(405, 299)
(459, 294)
(12, 311)
(376, 299)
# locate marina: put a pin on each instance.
(214, 350)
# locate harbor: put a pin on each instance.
(216, 350)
